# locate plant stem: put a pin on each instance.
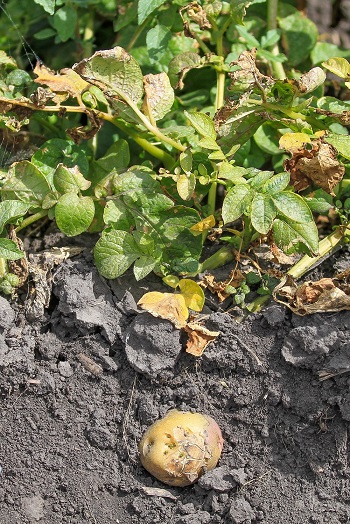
(247, 234)
(220, 258)
(32, 218)
(329, 244)
(137, 33)
(3, 267)
(272, 10)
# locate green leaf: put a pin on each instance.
(157, 40)
(143, 266)
(10, 211)
(186, 185)
(115, 72)
(26, 183)
(267, 139)
(339, 66)
(57, 151)
(324, 50)
(238, 10)
(180, 65)
(64, 21)
(117, 158)
(263, 213)
(69, 180)
(318, 205)
(291, 236)
(209, 143)
(9, 250)
(259, 178)
(236, 202)
(248, 37)
(233, 173)
(146, 7)
(341, 144)
(276, 183)
(115, 252)
(202, 123)
(116, 214)
(159, 95)
(329, 103)
(74, 214)
(299, 35)
(186, 160)
(48, 5)
(292, 207)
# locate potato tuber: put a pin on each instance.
(181, 447)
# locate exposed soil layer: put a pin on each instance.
(70, 426)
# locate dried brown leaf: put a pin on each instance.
(325, 295)
(198, 338)
(67, 82)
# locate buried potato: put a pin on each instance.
(181, 447)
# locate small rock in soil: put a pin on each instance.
(33, 507)
(219, 479)
(152, 345)
(241, 511)
(100, 437)
(65, 369)
(274, 314)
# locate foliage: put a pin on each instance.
(143, 137)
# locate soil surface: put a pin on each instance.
(82, 378)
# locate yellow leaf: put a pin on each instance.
(67, 81)
(294, 141)
(169, 306)
(204, 225)
(192, 293)
(186, 185)
(171, 281)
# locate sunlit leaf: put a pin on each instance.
(202, 123)
(159, 95)
(169, 306)
(192, 293)
(74, 214)
(204, 225)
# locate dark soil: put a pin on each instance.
(70, 427)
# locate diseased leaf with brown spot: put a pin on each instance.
(198, 338)
(318, 166)
(169, 306)
(159, 95)
(235, 279)
(248, 69)
(325, 295)
(342, 118)
(67, 81)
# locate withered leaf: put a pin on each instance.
(318, 166)
(198, 338)
(67, 82)
(248, 69)
(325, 295)
(88, 131)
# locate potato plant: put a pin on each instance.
(188, 116)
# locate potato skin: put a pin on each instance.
(181, 447)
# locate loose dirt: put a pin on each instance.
(81, 383)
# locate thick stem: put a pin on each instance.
(31, 219)
(272, 10)
(329, 244)
(247, 234)
(220, 258)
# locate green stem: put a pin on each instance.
(247, 234)
(137, 34)
(3, 268)
(220, 258)
(32, 218)
(156, 152)
(288, 112)
(272, 10)
(329, 244)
